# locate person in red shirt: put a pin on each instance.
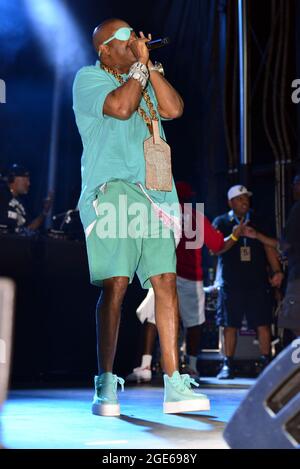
(190, 273)
(189, 285)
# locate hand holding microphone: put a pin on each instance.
(155, 43)
(138, 48)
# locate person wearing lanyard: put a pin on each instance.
(119, 103)
(245, 282)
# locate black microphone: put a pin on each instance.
(156, 43)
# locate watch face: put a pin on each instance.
(136, 75)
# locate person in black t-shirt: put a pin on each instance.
(245, 286)
(13, 213)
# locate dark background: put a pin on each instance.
(201, 62)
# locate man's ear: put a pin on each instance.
(230, 203)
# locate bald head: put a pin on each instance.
(117, 53)
(106, 29)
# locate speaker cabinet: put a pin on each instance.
(7, 296)
(269, 416)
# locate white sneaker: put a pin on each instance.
(105, 401)
(140, 375)
(179, 396)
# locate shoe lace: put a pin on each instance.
(116, 380)
(186, 382)
(120, 381)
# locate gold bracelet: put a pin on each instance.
(233, 237)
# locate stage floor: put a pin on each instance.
(61, 418)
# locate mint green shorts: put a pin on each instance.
(124, 241)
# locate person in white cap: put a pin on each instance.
(245, 283)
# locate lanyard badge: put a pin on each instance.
(245, 251)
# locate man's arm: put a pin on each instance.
(277, 274)
(213, 238)
(266, 240)
(271, 247)
(279, 245)
(39, 220)
(232, 239)
(122, 102)
(170, 103)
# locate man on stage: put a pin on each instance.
(118, 104)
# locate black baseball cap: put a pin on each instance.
(17, 170)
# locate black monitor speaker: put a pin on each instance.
(7, 300)
(269, 416)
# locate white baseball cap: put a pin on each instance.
(237, 190)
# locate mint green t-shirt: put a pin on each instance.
(112, 148)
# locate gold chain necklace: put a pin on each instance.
(146, 97)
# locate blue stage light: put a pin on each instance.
(14, 31)
(63, 43)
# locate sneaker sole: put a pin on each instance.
(186, 406)
(106, 410)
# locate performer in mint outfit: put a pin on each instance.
(115, 103)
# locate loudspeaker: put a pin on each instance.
(269, 416)
(7, 299)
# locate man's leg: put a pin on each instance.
(108, 313)
(230, 339)
(178, 395)
(143, 372)
(193, 336)
(150, 333)
(149, 338)
(167, 319)
(264, 337)
(192, 312)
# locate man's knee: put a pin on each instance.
(164, 282)
(115, 288)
